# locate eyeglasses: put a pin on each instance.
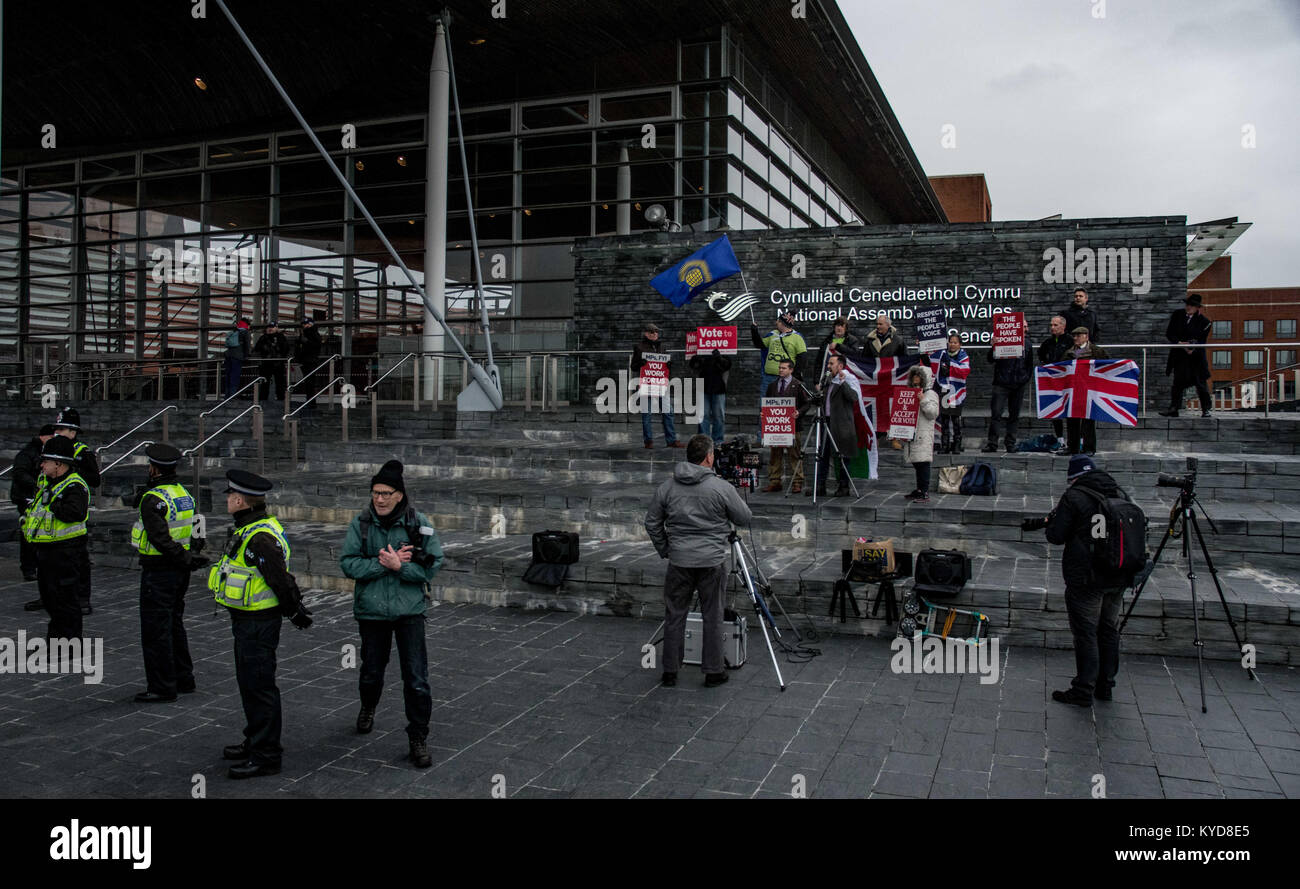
(382, 495)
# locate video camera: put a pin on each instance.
(1186, 482)
(1033, 524)
(735, 462)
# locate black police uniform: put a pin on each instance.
(27, 466)
(257, 636)
(164, 580)
(58, 563)
(88, 468)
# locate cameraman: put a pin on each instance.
(1092, 599)
(688, 524)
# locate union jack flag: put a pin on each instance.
(953, 381)
(1104, 389)
(878, 378)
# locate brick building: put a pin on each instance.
(965, 197)
(1243, 314)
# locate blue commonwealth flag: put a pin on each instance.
(701, 269)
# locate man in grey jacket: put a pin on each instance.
(688, 524)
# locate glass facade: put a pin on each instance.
(155, 253)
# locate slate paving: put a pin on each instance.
(546, 704)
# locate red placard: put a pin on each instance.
(778, 418)
(691, 348)
(1009, 335)
(902, 415)
(725, 339)
(654, 374)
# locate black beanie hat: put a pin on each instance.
(391, 475)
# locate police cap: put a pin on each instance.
(68, 417)
(250, 483)
(163, 455)
(59, 448)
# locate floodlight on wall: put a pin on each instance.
(200, 83)
(401, 160)
(360, 166)
(657, 216)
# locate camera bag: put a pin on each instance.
(941, 573)
(555, 547)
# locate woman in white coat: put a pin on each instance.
(920, 450)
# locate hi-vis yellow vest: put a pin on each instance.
(180, 515)
(237, 585)
(39, 523)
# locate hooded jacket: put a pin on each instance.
(1082, 317)
(688, 518)
(1071, 524)
(27, 466)
(921, 448)
(382, 594)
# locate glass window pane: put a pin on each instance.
(564, 150)
(1286, 327)
(483, 123)
(1222, 359)
(755, 195)
(396, 132)
(1253, 330)
(108, 167)
(755, 159)
(575, 112)
(239, 151)
(171, 159)
(780, 150)
(799, 166)
(636, 107)
(701, 61)
(754, 123)
(779, 213)
(1222, 330)
(1253, 358)
(1284, 358)
(703, 103)
(51, 174)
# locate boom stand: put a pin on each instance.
(1183, 520)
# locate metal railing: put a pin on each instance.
(256, 410)
(162, 413)
(415, 389)
(291, 418)
(135, 447)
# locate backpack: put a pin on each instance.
(408, 521)
(232, 340)
(1123, 549)
(980, 479)
(1038, 444)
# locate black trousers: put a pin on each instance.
(26, 554)
(83, 572)
(1076, 428)
(1181, 385)
(824, 467)
(274, 371)
(167, 664)
(1094, 624)
(1008, 398)
(58, 576)
(679, 584)
(256, 639)
(412, 655)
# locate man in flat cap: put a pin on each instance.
(1188, 366)
(168, 553)
(1078, 428)
(27, 469)
(55, 526)
(253, 581)
(650, 344)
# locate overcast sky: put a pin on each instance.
(1139, 113)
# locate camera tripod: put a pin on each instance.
(1182, 520)
(740, 571)
(820, 422)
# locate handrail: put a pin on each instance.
(240, 416)
(307, 376)
(328, 387)
(102, 448)
(210, 411)
(135, 447)
(391, 369)
(6, 469)
(130, 364)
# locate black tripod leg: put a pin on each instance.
(1197, 642)
(1214, 575)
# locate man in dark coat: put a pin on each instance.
(1080, 314)
(786, 386)
(1052, 350)
(843, 341)
(1188, 366)
(308, 354)
(713, 368)
(1092, 600)
(273, 348)
(27, 466)
(840, 395)
(1078, 429)
(1010, 377)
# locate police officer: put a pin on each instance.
(68, 424)
(55, 526)
(168, 553)
(27, 469)
(253, 581)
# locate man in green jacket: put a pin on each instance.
(392, 552)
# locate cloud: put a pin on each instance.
(1035, 74)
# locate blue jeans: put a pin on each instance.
(670, 429)
(715, 417)
(1094, 624)
(233, 369)
(376, 645)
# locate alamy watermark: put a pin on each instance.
(934, 654)
(624, 396)
(39, 656)
(179, 264)
(1103, 265)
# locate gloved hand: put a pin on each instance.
(301, 618)
(197, 562)
(1032, 524)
